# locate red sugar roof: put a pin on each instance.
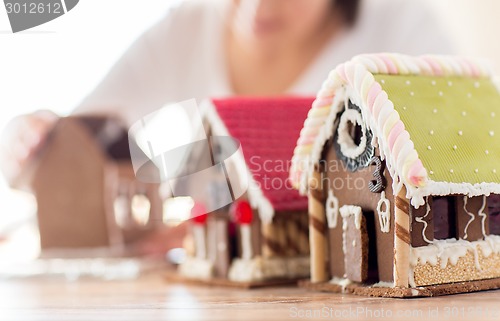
(268, 129)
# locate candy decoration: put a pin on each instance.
(198, 213)
(242, 212)
(199, 216)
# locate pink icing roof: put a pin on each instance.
(268, 129)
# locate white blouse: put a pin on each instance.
(182, 56)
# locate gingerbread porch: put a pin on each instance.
(262, 237)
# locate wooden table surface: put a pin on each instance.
(151, 298)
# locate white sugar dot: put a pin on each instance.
(450, 83)
(451, 171)
(469, 95)
(431, 132)
(429, 147)
(476, 170)
(492, 133)
(460, 133)
(404, 107)
(431, 172)
(433, 83)
(464, 113)
(435, 110)
(440, 93)
(412, 93)
(382, 81)
(494, 171)
(493, 114)
(408, 82)
(476, 84)
(486, 152)
(455, 147)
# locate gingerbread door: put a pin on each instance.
(355, 243)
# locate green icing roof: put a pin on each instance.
(454, 123)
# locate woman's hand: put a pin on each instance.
(21, 140)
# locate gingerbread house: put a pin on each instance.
(89, 202)
(261, 236)
(399, 157)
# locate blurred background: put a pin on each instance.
(55, 65)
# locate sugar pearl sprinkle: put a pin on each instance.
(429, 147)
(493, 114)
(460, 133)
(476, 84)
(494, 171)
(435, 110)
(431, 132)
(455, 147)
(431, 172)
(433, 83)
(486, 152)
(408, 82)
(440, 93)
(476, 171)
(450, 83)
(464, 113)
(451, 171)
(412, 93)
(469, 95)
(492, 133)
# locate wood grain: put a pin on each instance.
(151, 298)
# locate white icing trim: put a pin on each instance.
(256, 197)
(347, 145)
(332, 212)
(471, 215)
(348, 210)
(384, 217)
(423, 221)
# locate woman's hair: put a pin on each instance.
(349, 9)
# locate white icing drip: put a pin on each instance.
(343, 282)
(200, 241)
(246, 241)
(259, 268)
(433, 188)
(472, 217)
(196, 268)
(483, 216)
(332, 209)
(423, 221)
(348, 210)
(450, 251)
(384, 215)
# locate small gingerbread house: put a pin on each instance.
(89, 202)
(261, 236)
(400, 159)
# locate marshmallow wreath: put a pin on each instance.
(355, 80)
